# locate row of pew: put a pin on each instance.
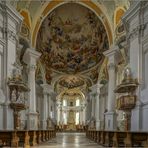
(24, 138)
(118, 138)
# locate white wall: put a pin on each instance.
(136, 20)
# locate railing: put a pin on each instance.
(25, 138)
(119, 138)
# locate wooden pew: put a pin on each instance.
(119, 138)
(33, 138)
(9, 138)
(24, 138)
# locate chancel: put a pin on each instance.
(73, 73)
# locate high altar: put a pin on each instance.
(71, 121)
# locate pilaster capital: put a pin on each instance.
(47, 89)
(31, 55)
(98, 86)
(111, 52)
(112, 55)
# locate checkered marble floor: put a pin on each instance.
(70, 140)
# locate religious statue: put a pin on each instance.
(13, 96)
(127, 76)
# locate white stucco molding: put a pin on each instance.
(47, 89)
(2, 97)
(145, 44)
(31, 55)
(130, 13)
(112, 56)
(14, 14)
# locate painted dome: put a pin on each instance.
(72, 39)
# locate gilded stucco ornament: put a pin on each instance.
(127, 97)
(17, 93)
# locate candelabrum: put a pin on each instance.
(17, 94)
(127, 98)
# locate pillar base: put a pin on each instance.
(98, 124)
(110, 121)
(44, 124)
(33, 121)
(8, 120)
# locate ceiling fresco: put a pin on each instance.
(72, 39)
(71, 81)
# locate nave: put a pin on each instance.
(70, 140)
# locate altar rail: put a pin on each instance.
(119, 138)
(25, 138)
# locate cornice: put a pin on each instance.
(13, 13)
(131, 11)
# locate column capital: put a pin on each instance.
(98, 85)
(47, 89)
(31, 55)
(111, 52)
(94, 94)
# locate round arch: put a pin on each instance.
(54, 4)
(73, 90)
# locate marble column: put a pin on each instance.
(81, 116)
(84, 115)
(30, 58)
(49, 105)
(45, 106)
(61, 116)
(110, 115)
(98, 123)
(58, 113)
(93, 97)
(87, 114)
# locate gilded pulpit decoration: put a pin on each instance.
(127, 98)
(17, 94)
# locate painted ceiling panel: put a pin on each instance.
(72, 39)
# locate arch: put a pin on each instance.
(54, 4)
(74, 90)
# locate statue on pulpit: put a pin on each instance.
(71, 120)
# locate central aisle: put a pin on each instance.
(70, 140)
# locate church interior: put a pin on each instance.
(73, 73)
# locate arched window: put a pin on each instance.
(77, 118)
(64, 103)
(78, 102)
(64, 118)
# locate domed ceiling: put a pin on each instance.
(72, 39)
